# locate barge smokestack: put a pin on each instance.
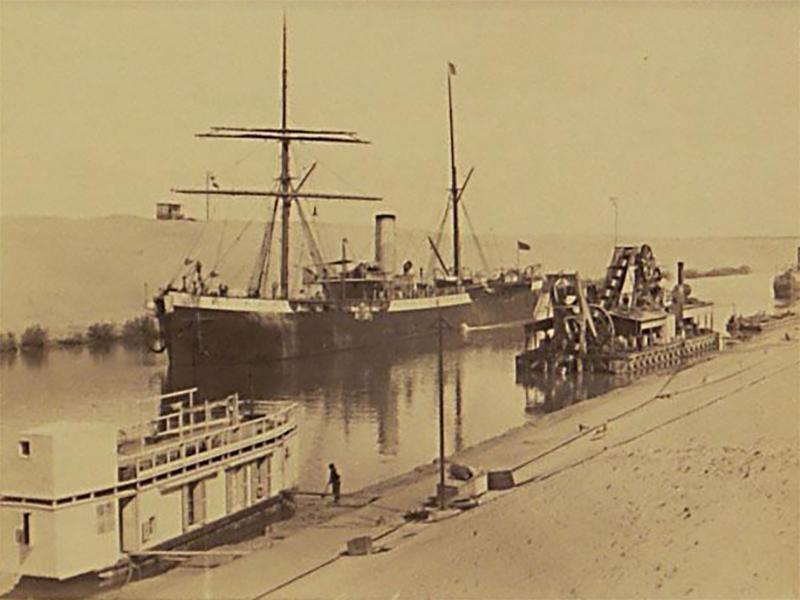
(680, 272)
(385, 252)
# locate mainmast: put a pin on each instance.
(286, 191)
(451, 70)
(286, 201)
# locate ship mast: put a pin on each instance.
(454, 195)
(285, 182)
(286, 193)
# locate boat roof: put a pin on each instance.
(70, 428)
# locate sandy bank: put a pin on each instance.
(692, 490)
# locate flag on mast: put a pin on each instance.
(523, 246)
(452, 68)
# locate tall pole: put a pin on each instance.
(285, 180)
(441, 411)
(453, 177)
(208, 183)
(615, 204)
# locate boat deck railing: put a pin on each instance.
(193, 433)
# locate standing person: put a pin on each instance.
(335, 482)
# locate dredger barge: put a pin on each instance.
(626, 325)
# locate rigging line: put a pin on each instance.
(188, 253)
(236, 240)
(475, 238)
(268, 258)
(313, 248)
(329, 169)
(219, 245)
(439, 235)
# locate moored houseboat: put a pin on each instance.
(82, 498)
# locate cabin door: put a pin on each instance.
(128, 524)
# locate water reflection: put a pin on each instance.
(35, 359)
(546, 393)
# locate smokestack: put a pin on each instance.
(798, 256)
(678, 298)
(385, 242)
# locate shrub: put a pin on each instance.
(8, 343)
(101, 333)
(72, 339)
(141, 329)
(34, 338)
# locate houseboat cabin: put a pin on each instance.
(80, 497)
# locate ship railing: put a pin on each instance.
(184, 415)
(168, 455)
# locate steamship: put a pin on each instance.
(786, 285)
(342, 304)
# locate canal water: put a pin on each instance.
(373, 413)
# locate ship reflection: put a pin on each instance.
(554, 391)
(363, 385)
(374, 385)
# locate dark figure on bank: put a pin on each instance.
(335, 482)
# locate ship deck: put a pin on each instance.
(194, 432)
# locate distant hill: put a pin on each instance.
(67, 273)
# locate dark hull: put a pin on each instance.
(786, 286)
(196, 336)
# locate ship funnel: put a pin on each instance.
(798, 256)
(385, 253)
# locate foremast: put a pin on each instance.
(454, 193)
(287, 192)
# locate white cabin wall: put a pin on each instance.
(10, 551)
(30, 476)
(167, 508)
(65, 459)
(84, 540)
(39, 557)
(85, 460)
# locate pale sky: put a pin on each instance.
(688, 113)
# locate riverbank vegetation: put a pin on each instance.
(140, 331)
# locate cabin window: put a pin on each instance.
(24, 448)
(24, 533)
(148, 529)
(105, 517)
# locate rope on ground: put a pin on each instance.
(641, 434)
(657, 396)
(323, 564)
(713, 381)
(589, 430)
(298, 577)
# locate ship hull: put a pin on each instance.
(224, 333)
(786, 286)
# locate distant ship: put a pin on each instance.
(342, 305)
(786, 285)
